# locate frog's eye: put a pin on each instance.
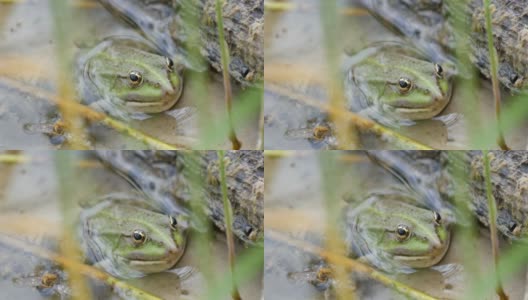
(250, 233)
(135, 78)
(402, 232)
(173, 222)
(405, 84)
(514, 229)
(170, 64)
(439, 70)
(437, 218)
(139, 237)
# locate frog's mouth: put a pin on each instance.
(416, 105)
(416, 110)
(148, 265)
(152, 104)
(431, 258)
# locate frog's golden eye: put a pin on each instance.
(139, 237)
(402, 232)
(173, 222)
(437, 218)
(170, 64)
(135, 78)
(405, 84)
(439, 70)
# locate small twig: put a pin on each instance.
(350, 264)
(24, 158)
(14, 158)
(349, 158)
(361, 123)
(279, 6)
(525, 297)
(260, 141)
(225, 73)
(92, 115)
(494, 77)
(492, 220)
(228, 219)
(77, 3)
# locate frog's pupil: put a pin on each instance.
(402, 231)
(134, 77)
(437, 217)
(512, 226)
(170, 63)
(248, 230)
(404, 83)
(439, 69)
(173, 221)
(138, 235)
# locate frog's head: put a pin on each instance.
(131, 241)
(152, 246)
(396, 234)
(136, 80)
(397, 81)
(419, 90)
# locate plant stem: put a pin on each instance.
(492, 220)
(493, 71)
(225, 73)
(228, 219)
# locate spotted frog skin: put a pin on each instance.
(126, 78)
(391, 83)
(390, 232)
(128, 238)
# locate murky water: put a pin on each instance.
(296, 208)
(29, 198)
(294, 40)
(27, 54)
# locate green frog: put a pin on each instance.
(390, 231)
(129, 238)
(126, 78)
(393, 84)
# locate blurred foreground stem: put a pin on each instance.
(228, 219)
(228, 95)
(346, 135)
(62, 13)
(68, 187)
(494, 76)
(492, 215)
